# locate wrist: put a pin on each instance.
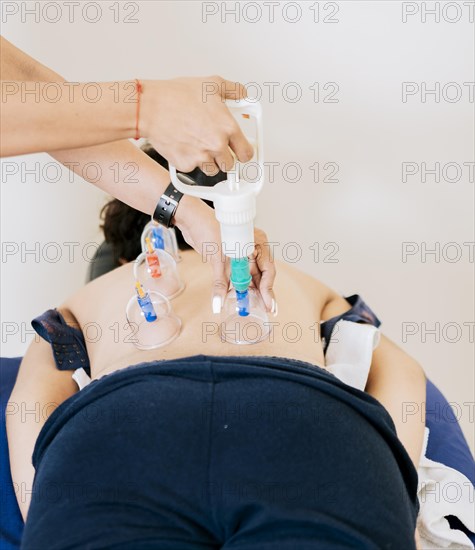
(127, 99)
(188, 210)
(147, 107)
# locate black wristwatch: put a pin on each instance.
(167, 206)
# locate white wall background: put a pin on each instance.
(368, 51)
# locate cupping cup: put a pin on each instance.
(161, 237)
(250, 328)
(169, 283)
(160, 332)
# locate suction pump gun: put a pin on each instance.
(235, 204)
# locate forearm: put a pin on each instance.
(15, 64)
(399, 383)
(121, 170)
(39, 389)
(61, 123)
(44, 116)
(118, 168)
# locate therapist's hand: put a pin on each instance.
(187, 121)
(263, 272)
(201, 230)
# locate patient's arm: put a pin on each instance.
(396, 380)
(334, 304)
(39, 389)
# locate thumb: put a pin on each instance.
(220, 284)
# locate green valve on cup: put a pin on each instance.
(241, 279)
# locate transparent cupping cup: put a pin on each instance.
(168, 283)
(161, 237)
(155, 334)
(239, 328)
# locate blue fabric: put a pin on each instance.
(11, 522)
(241, 453)
(447, 445)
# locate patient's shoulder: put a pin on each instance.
(291, 277)
(96, 292)
(297, 273)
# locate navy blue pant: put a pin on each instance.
(221, 452)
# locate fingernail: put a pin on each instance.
(275, 308)
(217, 304)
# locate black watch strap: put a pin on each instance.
(167, 206)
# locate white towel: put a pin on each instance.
(443, 491)
(350, 351)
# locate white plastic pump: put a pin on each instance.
(234, 199)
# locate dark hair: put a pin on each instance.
(123, 225)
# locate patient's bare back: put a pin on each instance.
(100, 306)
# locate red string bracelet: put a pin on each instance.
(139, 92)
